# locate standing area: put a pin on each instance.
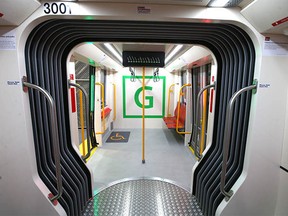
(166, 158)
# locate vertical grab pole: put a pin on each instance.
(87, 117)
(82, 122)
(94, 142)
(103, 106)
(196, 129)
(203, 123)
(178, 109)
(143, 115)
(114, 101)
(55, 134)
(169, 99)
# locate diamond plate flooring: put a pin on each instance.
(141, 197)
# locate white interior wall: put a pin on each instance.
(282, 207)
(284, 159)
(177, 80)
(99, 128)
(261, 189)
(210, 123)
(110, 97)
(188, 121)
(21, 190)
(73, 115)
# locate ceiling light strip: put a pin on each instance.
(113, 51)
(218, 3)
(173, 53)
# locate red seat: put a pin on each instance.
(169, 119)
(171, 122)
(107, 110)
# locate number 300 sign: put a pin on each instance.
(56, 8)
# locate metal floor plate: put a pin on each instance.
(143, 197)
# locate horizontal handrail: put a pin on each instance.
(196, 127)
(178, 110)
(227, 137)
(87, 117)
(103, 106)
(55, 135)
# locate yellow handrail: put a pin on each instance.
(178, 110)
(204, 119)
(82, 122)
(103, 106)
(169, 93)
(143, 115)
(114, 102)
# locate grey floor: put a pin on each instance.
(165, 155)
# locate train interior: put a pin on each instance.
(164, 148)
(144, 107)
(171, 99)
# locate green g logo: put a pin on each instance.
(149, 98)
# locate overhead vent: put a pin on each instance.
(147, 59)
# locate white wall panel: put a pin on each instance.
(20, 185)
(256, 191)
(282, 207)
(73, 115)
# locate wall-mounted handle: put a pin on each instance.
(55, 135)
(197, 128)
(178, 110)
(87, 117)
(103, 106)
(227, 136)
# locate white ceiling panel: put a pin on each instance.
(263, 15)
(14, 12)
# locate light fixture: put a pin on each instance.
(176, 64)
(173, 53)
(218, 3)
(113, 51)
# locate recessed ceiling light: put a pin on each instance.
(218, 3)
(113, 51)
(172, 53)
